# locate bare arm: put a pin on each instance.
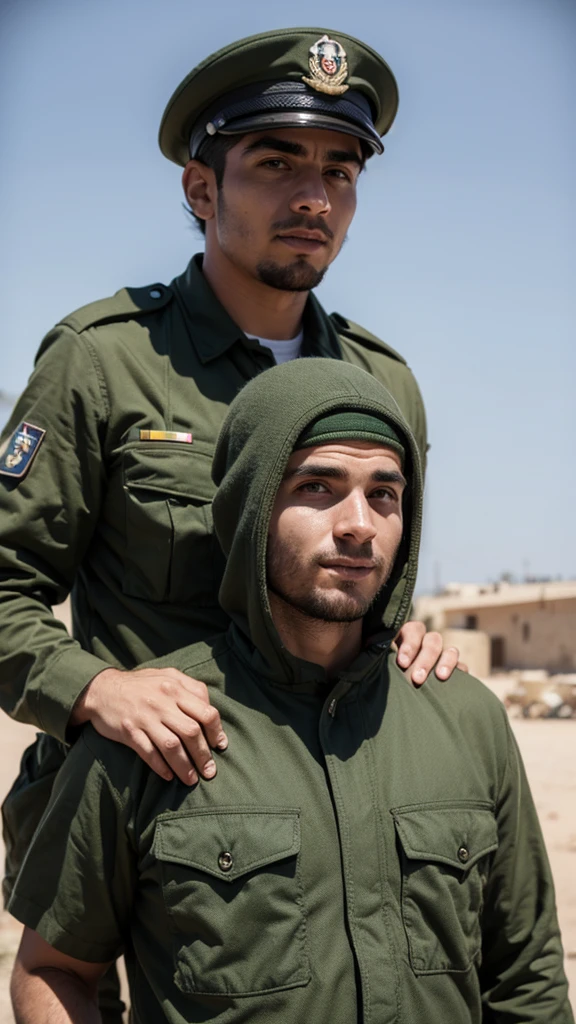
(49, 987)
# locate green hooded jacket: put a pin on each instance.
(368, 852)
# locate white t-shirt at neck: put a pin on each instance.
(282, 350)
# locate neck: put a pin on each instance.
(333, 645)
(255, 307)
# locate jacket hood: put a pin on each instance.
(255, 443)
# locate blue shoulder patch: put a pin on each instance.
(17, 453)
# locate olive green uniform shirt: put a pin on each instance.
(127, 522)
(367, 853)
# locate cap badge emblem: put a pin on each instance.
(328, 67)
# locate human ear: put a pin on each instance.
(199, 184)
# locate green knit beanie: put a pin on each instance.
(351, 426)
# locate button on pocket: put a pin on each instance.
(443, 849)
(226, 861)
(232, 891)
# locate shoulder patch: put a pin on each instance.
(355, 332)
(18, 451)
(124, 305)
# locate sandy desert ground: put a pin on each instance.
(549, 751)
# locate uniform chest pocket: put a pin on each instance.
(232, 891)
(444, 851)
(171, 551)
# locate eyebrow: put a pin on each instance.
(379, 476)
(341, 156)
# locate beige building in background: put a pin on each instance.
(504, 626)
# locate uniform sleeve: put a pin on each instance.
(522, 974)
(77, 883)
(47, 519)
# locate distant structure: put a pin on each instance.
(504, 626)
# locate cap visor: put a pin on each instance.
(300, 119)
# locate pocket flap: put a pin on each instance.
(228, 843)
(454, 834)
(169, 469)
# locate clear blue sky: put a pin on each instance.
(462, 255)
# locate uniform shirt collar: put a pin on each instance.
(212, 331)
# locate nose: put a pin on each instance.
(310, 196)
(354, 520)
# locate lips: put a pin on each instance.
(354, 563)
(313, 236)
(351, 568)
(303, 241)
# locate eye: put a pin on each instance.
(339, 173)
(275, 162)
(384, 494)
(313, 487)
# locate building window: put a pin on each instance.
(525, 632)
(471, 622)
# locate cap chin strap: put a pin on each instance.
(293, 119)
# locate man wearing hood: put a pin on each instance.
(385, 864)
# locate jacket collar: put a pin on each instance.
(213, 332)
(303, 676)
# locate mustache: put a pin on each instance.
(362, 552)
(306, 223)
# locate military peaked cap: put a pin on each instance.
(287, 78)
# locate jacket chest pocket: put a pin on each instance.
(444, 851)
(171, 552)
(233, 894)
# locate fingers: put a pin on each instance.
(163, 752)
(462, 666)
(209, 718)
(191, 744)
(175, 754)
(426, 658)
(447, 663)
(198, 708)
(409, 642)
(164, 716)
(140, 742)
(175, 744)
(420, 651)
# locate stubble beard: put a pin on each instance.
(299, 276)
(342, 603)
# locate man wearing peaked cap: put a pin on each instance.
(369, 852)
(105, 486)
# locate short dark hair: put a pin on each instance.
(212, 153)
